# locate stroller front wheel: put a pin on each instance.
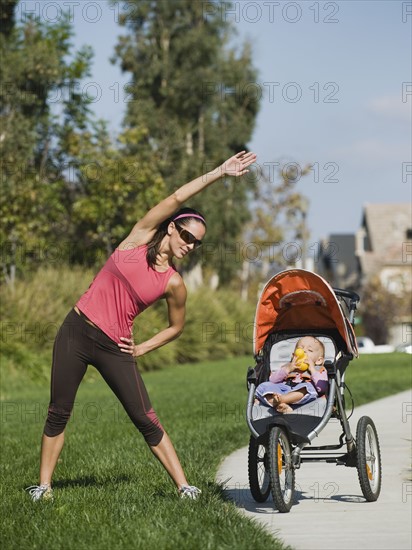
(368, 461)
(282, 472)
(259, 482)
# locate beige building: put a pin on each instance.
(384, 246)
(384, 249)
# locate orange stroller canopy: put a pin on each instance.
(299, 299)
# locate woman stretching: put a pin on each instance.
(98, 330)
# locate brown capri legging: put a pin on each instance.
(79, 344)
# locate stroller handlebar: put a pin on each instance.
(354, 300)
(347, 294)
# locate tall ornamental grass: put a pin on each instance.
(218, 324)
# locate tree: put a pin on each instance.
(276, 234)
(37, 62)
(379, 309)
(113, 190)
(194, 95)
(68, 193)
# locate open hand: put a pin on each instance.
(236, 165)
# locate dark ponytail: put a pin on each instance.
(185, 215)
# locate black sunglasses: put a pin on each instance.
(187, 237)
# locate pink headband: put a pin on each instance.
(188, 215)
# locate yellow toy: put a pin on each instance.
(301, 360)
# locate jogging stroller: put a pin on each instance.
(294, 303)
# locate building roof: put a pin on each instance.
(342, 249)
(386, 228)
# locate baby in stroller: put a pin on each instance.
(299, 305)
(299, 381)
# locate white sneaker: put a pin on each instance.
(189, 491)
(40, 492)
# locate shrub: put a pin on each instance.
(218, 323)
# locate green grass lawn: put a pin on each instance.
(372, 377)
(110, 492)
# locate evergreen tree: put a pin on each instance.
(197, 98)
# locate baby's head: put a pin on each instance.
(314, 349)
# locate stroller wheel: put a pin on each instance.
(368, 460)
(282, 473)
(259, 481)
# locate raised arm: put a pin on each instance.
(144, 229)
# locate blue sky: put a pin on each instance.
(336, 87)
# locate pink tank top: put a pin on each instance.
(123, 288)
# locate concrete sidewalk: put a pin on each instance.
(330, 511)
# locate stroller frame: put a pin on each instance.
(280, 443)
